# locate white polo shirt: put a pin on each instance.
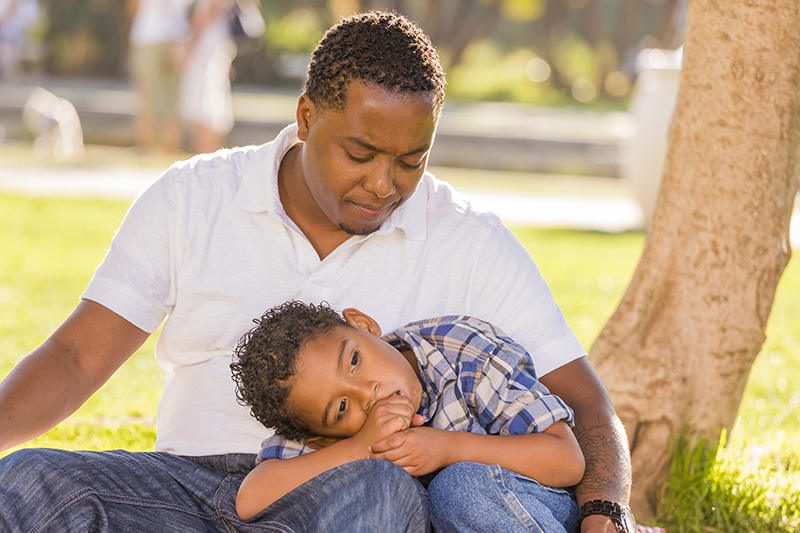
(209, 247)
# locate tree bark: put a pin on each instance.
(678, 350)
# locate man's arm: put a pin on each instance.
(601, 437)
(56, 378)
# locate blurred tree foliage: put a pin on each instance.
(525, 50)
(85, 37)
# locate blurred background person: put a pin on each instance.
(158, 37)
(206, 104)
(16, 19)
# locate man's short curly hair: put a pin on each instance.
(265, 359)
(384, 49)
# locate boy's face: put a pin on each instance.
(341, 375)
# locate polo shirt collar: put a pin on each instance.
(258, 191)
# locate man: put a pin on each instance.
(337, 208)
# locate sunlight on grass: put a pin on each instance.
(86, 435)
(50, 253)
(720, 489)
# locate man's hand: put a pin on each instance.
(419, 450)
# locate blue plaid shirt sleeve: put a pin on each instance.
(275, 447)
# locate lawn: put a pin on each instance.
(51, 247)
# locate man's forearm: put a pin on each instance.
(601, 436)
(57, 377)
(605, 448)
(598, 431)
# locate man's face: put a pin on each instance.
(361, 163)
(342, 374)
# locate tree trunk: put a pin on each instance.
(678, 350)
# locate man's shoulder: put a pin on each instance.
(215, 175)
(448, 209)
(225, 159)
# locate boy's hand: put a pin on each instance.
(387, 417)
(419, 450)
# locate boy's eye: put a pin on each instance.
(354, 360)
(342, 409)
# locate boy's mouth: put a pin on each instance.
(403, 393)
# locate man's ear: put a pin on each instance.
(360, 320)
(306, 113)
(317, 442)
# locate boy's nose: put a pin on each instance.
(368, 394)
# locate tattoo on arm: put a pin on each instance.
(607, 474)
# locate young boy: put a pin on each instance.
(441, 392)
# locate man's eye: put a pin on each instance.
(411, 166)
(342, 409)
(359, 159)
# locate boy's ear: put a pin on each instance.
(317, 442)
(360, 320)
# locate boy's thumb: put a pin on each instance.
(417, 420)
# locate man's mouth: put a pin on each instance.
(372, 212)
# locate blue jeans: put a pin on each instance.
(61, 491)
(482, 498)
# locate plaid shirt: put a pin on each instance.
(474, 378)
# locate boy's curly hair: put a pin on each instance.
(264, 361)
(385, 49)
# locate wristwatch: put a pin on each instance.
(619, 514)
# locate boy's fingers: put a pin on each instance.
(393, 441)
(395, 399)
(390, 409)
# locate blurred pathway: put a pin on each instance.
(550, 210)
(602, 213)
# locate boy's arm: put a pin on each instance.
(552, 457)
(274, 478)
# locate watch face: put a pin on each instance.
(628, 521)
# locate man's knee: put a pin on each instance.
(23, 468)
(367, 495)
(387, 484)
(454, 484)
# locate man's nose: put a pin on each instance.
(380, 181)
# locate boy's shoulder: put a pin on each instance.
(462, 327)
(459, 339)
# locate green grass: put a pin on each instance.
(720, 489)
(50, 250)
(51, 247)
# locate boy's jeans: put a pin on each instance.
(118, 491)
(476, 497)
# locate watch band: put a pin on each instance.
(619, 514)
